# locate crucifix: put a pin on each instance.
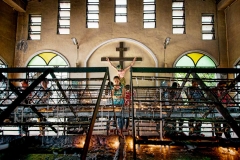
(121, 58)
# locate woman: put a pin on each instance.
(118, 94)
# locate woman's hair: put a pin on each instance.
(222, 83)
(195, 80)
(174, 85)
(45, 80)
(127, 87)
(110, 83)
(116, 77)
(24, 82)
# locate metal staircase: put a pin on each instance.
(83, 106)
(159, 119)
(77, 105)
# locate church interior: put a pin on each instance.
(119, 79)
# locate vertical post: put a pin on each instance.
(160, 115)
(90, 130)
(77, 64)
(164, 58)
(133, 119)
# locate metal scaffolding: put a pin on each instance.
(168, 120)
(84, 105)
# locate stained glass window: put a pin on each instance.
(196, 60)
(47, 59)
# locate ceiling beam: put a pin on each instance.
(223, 4)
(18, 5)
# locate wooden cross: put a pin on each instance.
(121, 58)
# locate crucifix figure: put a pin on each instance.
(121, 72)
(120, 69)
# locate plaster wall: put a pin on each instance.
(233, 35)
(222, 57)
(133, 29)
(8, 25)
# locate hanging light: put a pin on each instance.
(167, 40)
(75, 41)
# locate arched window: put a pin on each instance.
(2, 64)
(47, 59)
(50, 59)
(3, 83)
(237, 65)
(196, 60)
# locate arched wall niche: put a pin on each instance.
(134, 49)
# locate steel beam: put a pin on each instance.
(13, 88)
(223, 111)
(45, 123)
(63, 93)
(68, 69)
(90, 130)
(5, 114)
(183, 70)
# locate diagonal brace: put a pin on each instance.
(63, 93)
(21, 96)
(222, 110)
